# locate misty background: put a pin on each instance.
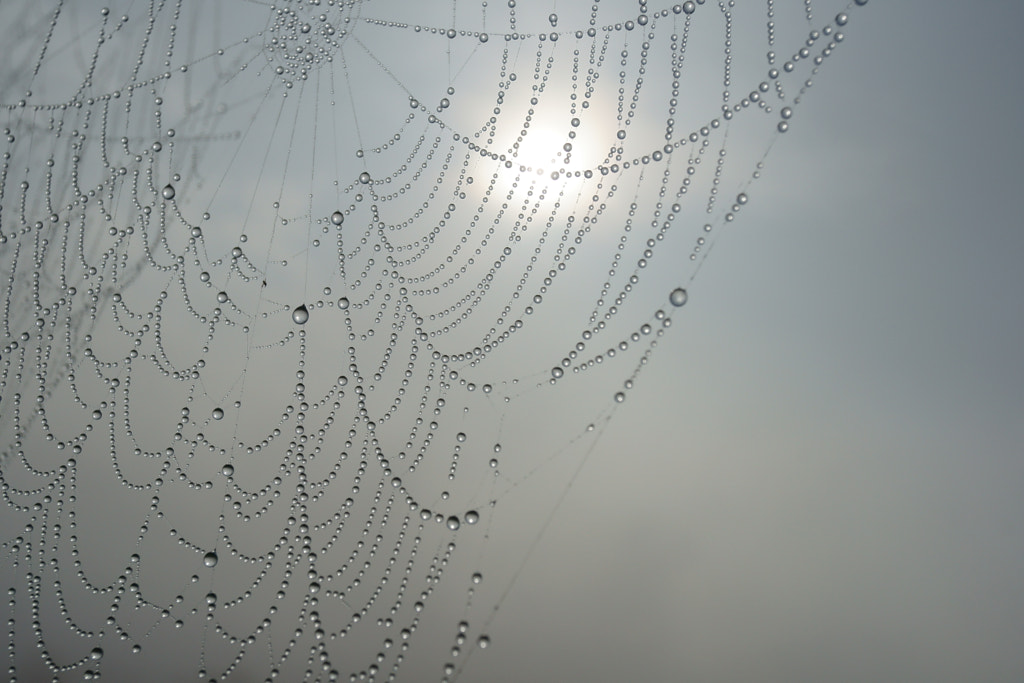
(818, 474)
(824, 477)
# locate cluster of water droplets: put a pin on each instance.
(304, 36)
(299, 300)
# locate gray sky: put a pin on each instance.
(823, 480)
(816, 477)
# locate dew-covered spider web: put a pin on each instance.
(305, 301)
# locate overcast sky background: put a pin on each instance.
(818, 475)
(821, 480)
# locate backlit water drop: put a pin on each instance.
(678, 297)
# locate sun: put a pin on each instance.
(557, 149)
(544, 148)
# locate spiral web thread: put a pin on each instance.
(303, 301)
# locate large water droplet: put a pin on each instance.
(343, 303)
(210, 559)
(168, 192)
(678, 296)
(217, 414)
(300, 315)
(97, 653)
(453, 523)
(472, 517)
(364, 178)
(337, 218)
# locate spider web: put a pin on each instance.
(306, 303)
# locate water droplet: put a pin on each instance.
(168, 192)
(557, 372)
(96, 654)
(337, 218)
(453, 523)
(343, 303)
(228, 470)
(300, 315)
(689, 7)
(217, 414)
(678, 296)
(483, 641)
(364, 178)
(210, 559)
(472, 517)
